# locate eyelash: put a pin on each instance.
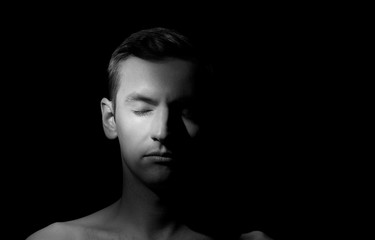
(142, 112)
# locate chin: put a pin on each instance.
(160, 180)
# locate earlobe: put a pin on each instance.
(108, 118)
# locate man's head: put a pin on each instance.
(154, 102)
(154, 45)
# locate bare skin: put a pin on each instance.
(96, 227)
(107, 225)
(151, 114)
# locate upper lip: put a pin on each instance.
(165, 154)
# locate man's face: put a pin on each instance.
(155, 116)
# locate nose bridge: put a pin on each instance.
(160, 123)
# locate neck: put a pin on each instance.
(145, 210)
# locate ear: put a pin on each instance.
(108, 118)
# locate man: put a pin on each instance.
(155, 111)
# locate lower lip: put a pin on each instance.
(159, 159)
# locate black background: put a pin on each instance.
(279, 102)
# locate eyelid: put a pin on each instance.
(142, 112)
(188, 113)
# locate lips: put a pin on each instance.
(160, 157)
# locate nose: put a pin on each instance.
(160, 125)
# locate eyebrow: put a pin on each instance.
(137, 97)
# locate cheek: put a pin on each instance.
(131, 131)
(192, 128)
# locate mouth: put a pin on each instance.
(160, 157)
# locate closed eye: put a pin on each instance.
(187, 113)
(142, 112)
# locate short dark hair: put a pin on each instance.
(153, 44)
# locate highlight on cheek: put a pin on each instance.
(191, 127)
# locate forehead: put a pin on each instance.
(170, 78)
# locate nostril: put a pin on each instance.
(160, 140)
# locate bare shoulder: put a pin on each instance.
(55, 231)
(75, 229)
(255, 235)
